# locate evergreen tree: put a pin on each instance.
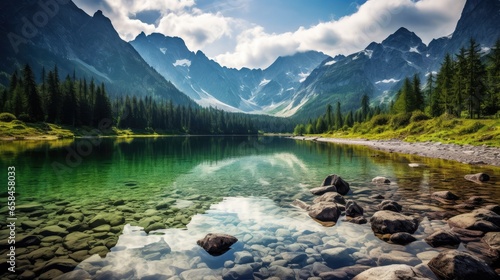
(475, 87)
(69, 110)
(405, 99)
(320, 125)
(444, 83)
(459, 82)
(365, 107)
(34, 103)
(339, 123)
(102, 107)
(329, 116)
(54, 97)
(492, 105)
(417, 94)
(349, 119)
(433, 97)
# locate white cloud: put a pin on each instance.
(235, 43)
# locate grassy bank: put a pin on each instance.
(445, 129)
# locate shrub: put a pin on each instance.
(475, 127)
(418, 115)
(380, 120)
(400, 120)
(7, 117)
(25, 118)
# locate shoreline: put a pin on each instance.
(468, 154)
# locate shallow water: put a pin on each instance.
(237, 185)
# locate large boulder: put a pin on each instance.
(217, 244)
(402, 238)
(479, 219)
(325, 212)
(443, 238)
(391, 272)
(390, 205)
(453, 264)
(384, 222)
(330, 197)
(335, 180)
(352, 209)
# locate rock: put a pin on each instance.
(390, 205)
(107, 218)
(358, 220)
(244, 271)
(76, 241)
(377, 196)
(352, 209)
(62, 264)
(243, 257)
(391, 222)
(282, 273)
(79, 256)
(348, 272)
(293, 257)
(495, 208)
(27, 274)
(161, 247)
(51, 274)
(444, 195)
(453, 264)
(338, 257)
(330, 197)
(391, 272)
(381, 180)
(493, 240)
(475, 200)
(199, 273)
(325, 212)
(165, 204)
(53, 230)
(479, 219)
(27, 240)
(397, 257)
(155, 226)
(402, 238)
(45, 253)
(217, 244)
(100, 250)
(323, 190)
(74, 275)
(102, 228)
(477, 178)
(318, 268)
(30, 224)
(443, 238)
(335, 180)
(300, 204)
(29, 207)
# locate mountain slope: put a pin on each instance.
(74, 41)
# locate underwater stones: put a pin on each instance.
(477, 178)
(444, 196)
(165, 204)
(377, 196)
(325, 212)
(384, 221)
(102, 228)
(493, 240)
(402, 238)
(100, 250)
(390, 205)
(479, 219)
(113, 219)
(335, 180)
(45, 253)
(154, 226)
(63, 264)
(323, 189)
(330, 197)
(381, 180)
(360, 220)
(53, 230)
(300, 204)
(76, 241)
(352, 209)
(30, 224)
(453, 264)
(29, 207)
(391, 272)
(79, 256)
(243, 257)
(443, 238)
(294, 257)
(217, 243)
(338, 257)
(244, 271)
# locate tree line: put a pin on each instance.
(76, 102)
(465, 86)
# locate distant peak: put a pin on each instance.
(98, 13)
(402, 36)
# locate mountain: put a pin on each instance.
(210, 84)
(379, 69)
(48, 33)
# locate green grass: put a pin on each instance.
(444, 129)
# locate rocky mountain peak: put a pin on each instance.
(403, 40)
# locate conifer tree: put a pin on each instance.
(475, 87)
(34, 103)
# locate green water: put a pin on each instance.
(208, 181)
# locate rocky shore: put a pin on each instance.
(480, 155)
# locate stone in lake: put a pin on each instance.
(300, 204)
(330, 197)
(338, 257)
(479, 219)
(243, 257)
(381, 180)
(112, 219)
(402, 238)
(76, 241)
(244, 271)
(217, 244)
(335, 180)
(323, 189)
(325, 212)
(443, 238)
(391, 272)
(444, 196)
(390, 205)
(493, 240)
(53, 230)
(477, 178)
(384, 222)
(360, 220)
(453, 264)
(352, 209)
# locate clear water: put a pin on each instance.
(237, 185)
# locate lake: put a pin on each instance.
(133, 208)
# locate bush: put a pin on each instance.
(25, 118)
(475, 127)
(400, 120)
(380, 120)
(7, 117)
(418, 115)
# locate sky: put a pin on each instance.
(253, 33)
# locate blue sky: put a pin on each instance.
(253, 33)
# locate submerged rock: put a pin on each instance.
(477, 178)
(381, 180)
(335, 180)
(443, 238)
(391, 222)
(300, 204)
(352, 209)
(391, 272)
(479, 219)
(323, 189)
(325, 212)
(444, 196)
(402, 238)
(330, 197)
(390, 205)
(453, 264)
(217, 244)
